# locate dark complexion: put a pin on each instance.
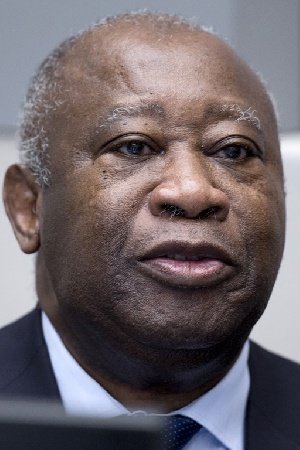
(155, 304)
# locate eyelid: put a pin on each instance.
(117, 142)
(237, 140)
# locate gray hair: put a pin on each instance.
(32, 134)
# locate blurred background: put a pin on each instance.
(266, 33)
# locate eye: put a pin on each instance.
(236, 150)
(134, 149)
(132, 146)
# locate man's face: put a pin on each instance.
(164, 221)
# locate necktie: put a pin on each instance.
(178, 431)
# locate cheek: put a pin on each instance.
(99, 214)
(83, 233)
(261, 214)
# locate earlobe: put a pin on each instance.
(22, 195)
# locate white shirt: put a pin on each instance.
(221, 411)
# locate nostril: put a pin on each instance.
(208, 212)
(174, 210)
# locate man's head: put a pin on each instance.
(161, 230)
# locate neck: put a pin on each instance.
(138, 385)
(158, 399)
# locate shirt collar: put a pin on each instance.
(80, 393)
(221, 411)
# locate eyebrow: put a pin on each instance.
(122, 112)
(234, 112)
(213, 113)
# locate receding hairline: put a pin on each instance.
(40, 101)
(114, 27)
(158, 21)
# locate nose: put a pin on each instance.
(187, 189)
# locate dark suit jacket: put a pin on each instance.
(273, 415)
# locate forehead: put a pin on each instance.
(138, 54)
(178, 69)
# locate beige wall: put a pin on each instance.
(278, 330)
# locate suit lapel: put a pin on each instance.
(273, 412)
(262, 435)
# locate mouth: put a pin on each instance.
(186, 265)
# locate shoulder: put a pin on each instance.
(25, 368)
(274, 399)
(23, 334)
(267, 366)
(22, 324)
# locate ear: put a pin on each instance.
(22, 198)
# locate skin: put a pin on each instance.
(143, 325)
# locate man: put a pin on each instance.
(152, 192)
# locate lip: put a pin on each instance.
(188, 265)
